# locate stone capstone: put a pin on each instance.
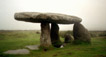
(38, 17)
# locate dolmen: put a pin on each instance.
(50, 36)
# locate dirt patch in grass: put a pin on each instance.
(69, 53)
(54, 55)
(100, 56)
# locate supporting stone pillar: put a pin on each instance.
(55, 39)
(45, 40)
(81, 34)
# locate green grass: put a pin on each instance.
(19, 39)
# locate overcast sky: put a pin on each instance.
(92, 12)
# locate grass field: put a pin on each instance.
(19, 39)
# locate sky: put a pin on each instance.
(92, 12)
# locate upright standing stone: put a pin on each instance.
(45, 40)
(55, 39)
(81, 34)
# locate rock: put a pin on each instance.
(18, 51)
(68, 38)
(81, 34)
(38, 17)
(33, 47)
(55, 39)
(45, 40)
(61, 46)
(45, 19)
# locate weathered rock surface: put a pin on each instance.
(81, 34)
(47, 17)
(18, 51)
(33, 47)
(68, 38)
(45, 40)
(55, 39)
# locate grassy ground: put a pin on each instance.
(19, 39)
